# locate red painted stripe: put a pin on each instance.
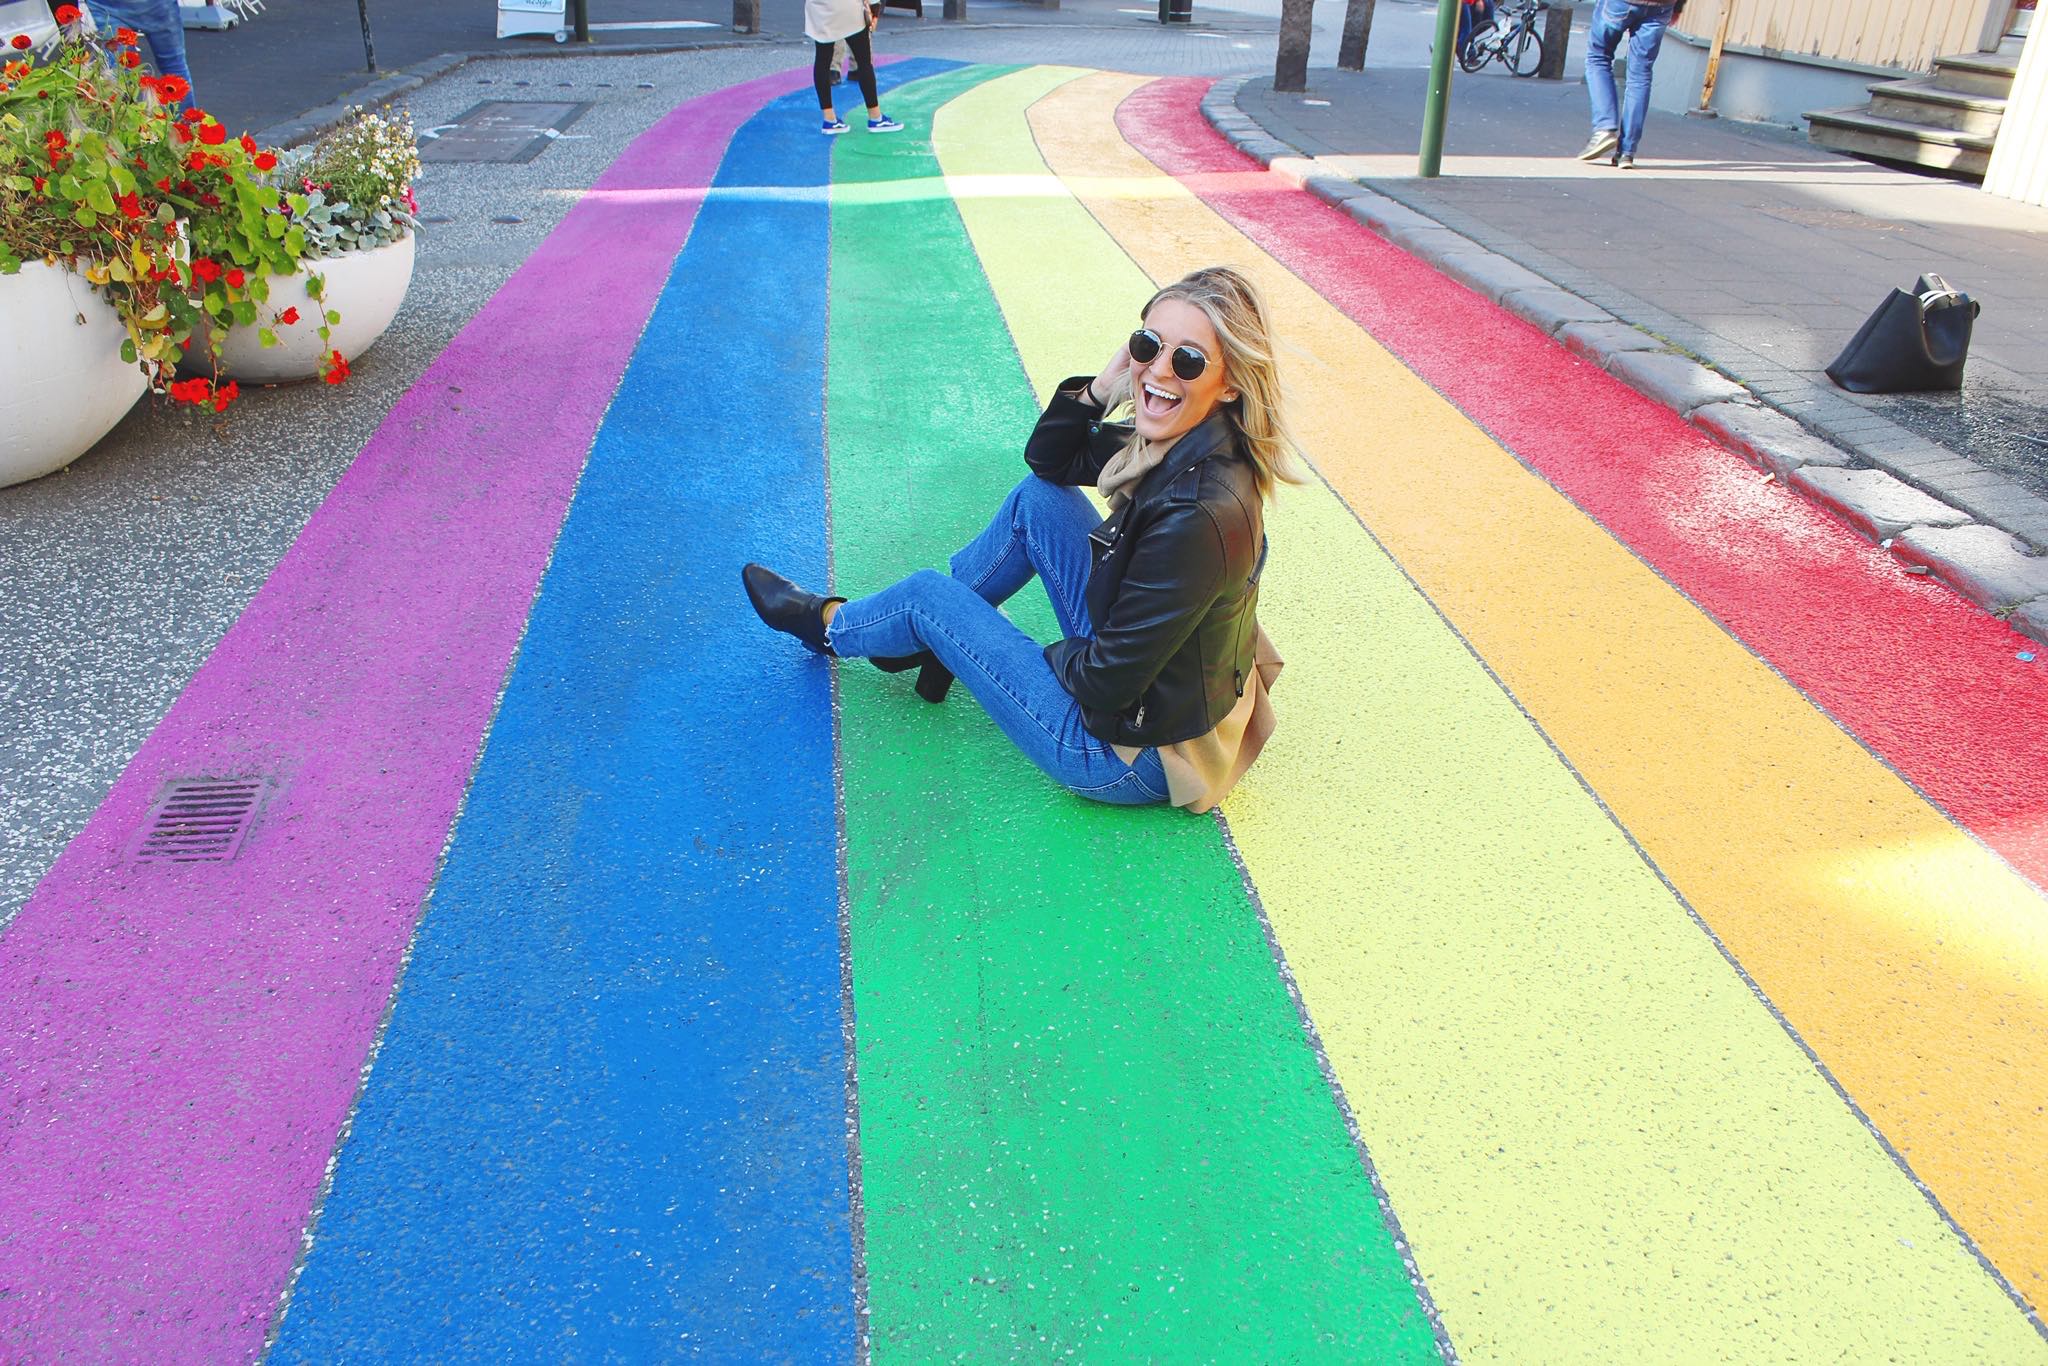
(1922, 677)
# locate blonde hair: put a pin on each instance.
(1237, 311)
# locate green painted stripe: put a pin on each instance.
(1089, 1120)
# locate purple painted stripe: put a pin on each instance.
(179, 1043)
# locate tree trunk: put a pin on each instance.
(1357, 28)
(1290, 68)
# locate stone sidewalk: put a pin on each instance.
(1734, 245)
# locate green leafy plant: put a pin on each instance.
(354, 194)
(164, 214)
(358, 183)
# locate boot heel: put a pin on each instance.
(932, 682)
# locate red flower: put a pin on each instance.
(171, 89)
(288, 317)
(40, 182)
(126, 37)
(55, 138)
(67, 14)
(19, 42)
(337, 368)
(226, 394)
(207, 269)
(235, 277)
(131, 205)
(212, 134)
(265, 161)
(196, 162)
(190, 115)
(164, 184)
(192, 390)
(248, 144)
(184, 133)
(130, 60)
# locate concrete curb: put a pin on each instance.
(1905, 502)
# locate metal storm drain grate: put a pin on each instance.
(200, 820)
(501, 130)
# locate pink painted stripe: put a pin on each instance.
(179, 1044)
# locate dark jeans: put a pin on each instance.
(863, 69)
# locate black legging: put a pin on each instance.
(863, 69)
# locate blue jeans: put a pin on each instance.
(1041, 529)
(159, 24)
(1644, 27)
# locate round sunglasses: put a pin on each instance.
(1187, 362)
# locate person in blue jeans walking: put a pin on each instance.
(1618, 122)
(1157, 689)
(159, 24)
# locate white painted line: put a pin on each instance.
(653, 23)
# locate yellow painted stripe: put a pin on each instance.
(1599, 1143)
(1914, 962)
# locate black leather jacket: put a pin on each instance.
(1174, 590)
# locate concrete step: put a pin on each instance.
(1922, 101)
(1977, 73)
(1864, 134)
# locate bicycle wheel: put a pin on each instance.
(1477, 51)
(1524, 53)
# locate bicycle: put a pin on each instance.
(1511, 37)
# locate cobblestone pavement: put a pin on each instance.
(1630, 936)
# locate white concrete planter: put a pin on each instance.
(365, 287)
(63, 385)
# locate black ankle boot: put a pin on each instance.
(933, 678)
(787, 607)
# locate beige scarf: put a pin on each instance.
(1121, 475)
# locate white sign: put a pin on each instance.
(518, 18)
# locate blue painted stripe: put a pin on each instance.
(608, 1116)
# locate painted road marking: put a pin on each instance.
(1089, 1122)
(1914, 963)
(610, 1106)
(179, 1044)
(1552, 1066)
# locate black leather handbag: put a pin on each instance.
(1914, 342)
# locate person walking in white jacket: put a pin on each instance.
(827, 23)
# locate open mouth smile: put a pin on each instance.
(1158, 402)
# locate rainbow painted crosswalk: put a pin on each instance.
(1631, 947)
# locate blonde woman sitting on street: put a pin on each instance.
(1157, 691)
